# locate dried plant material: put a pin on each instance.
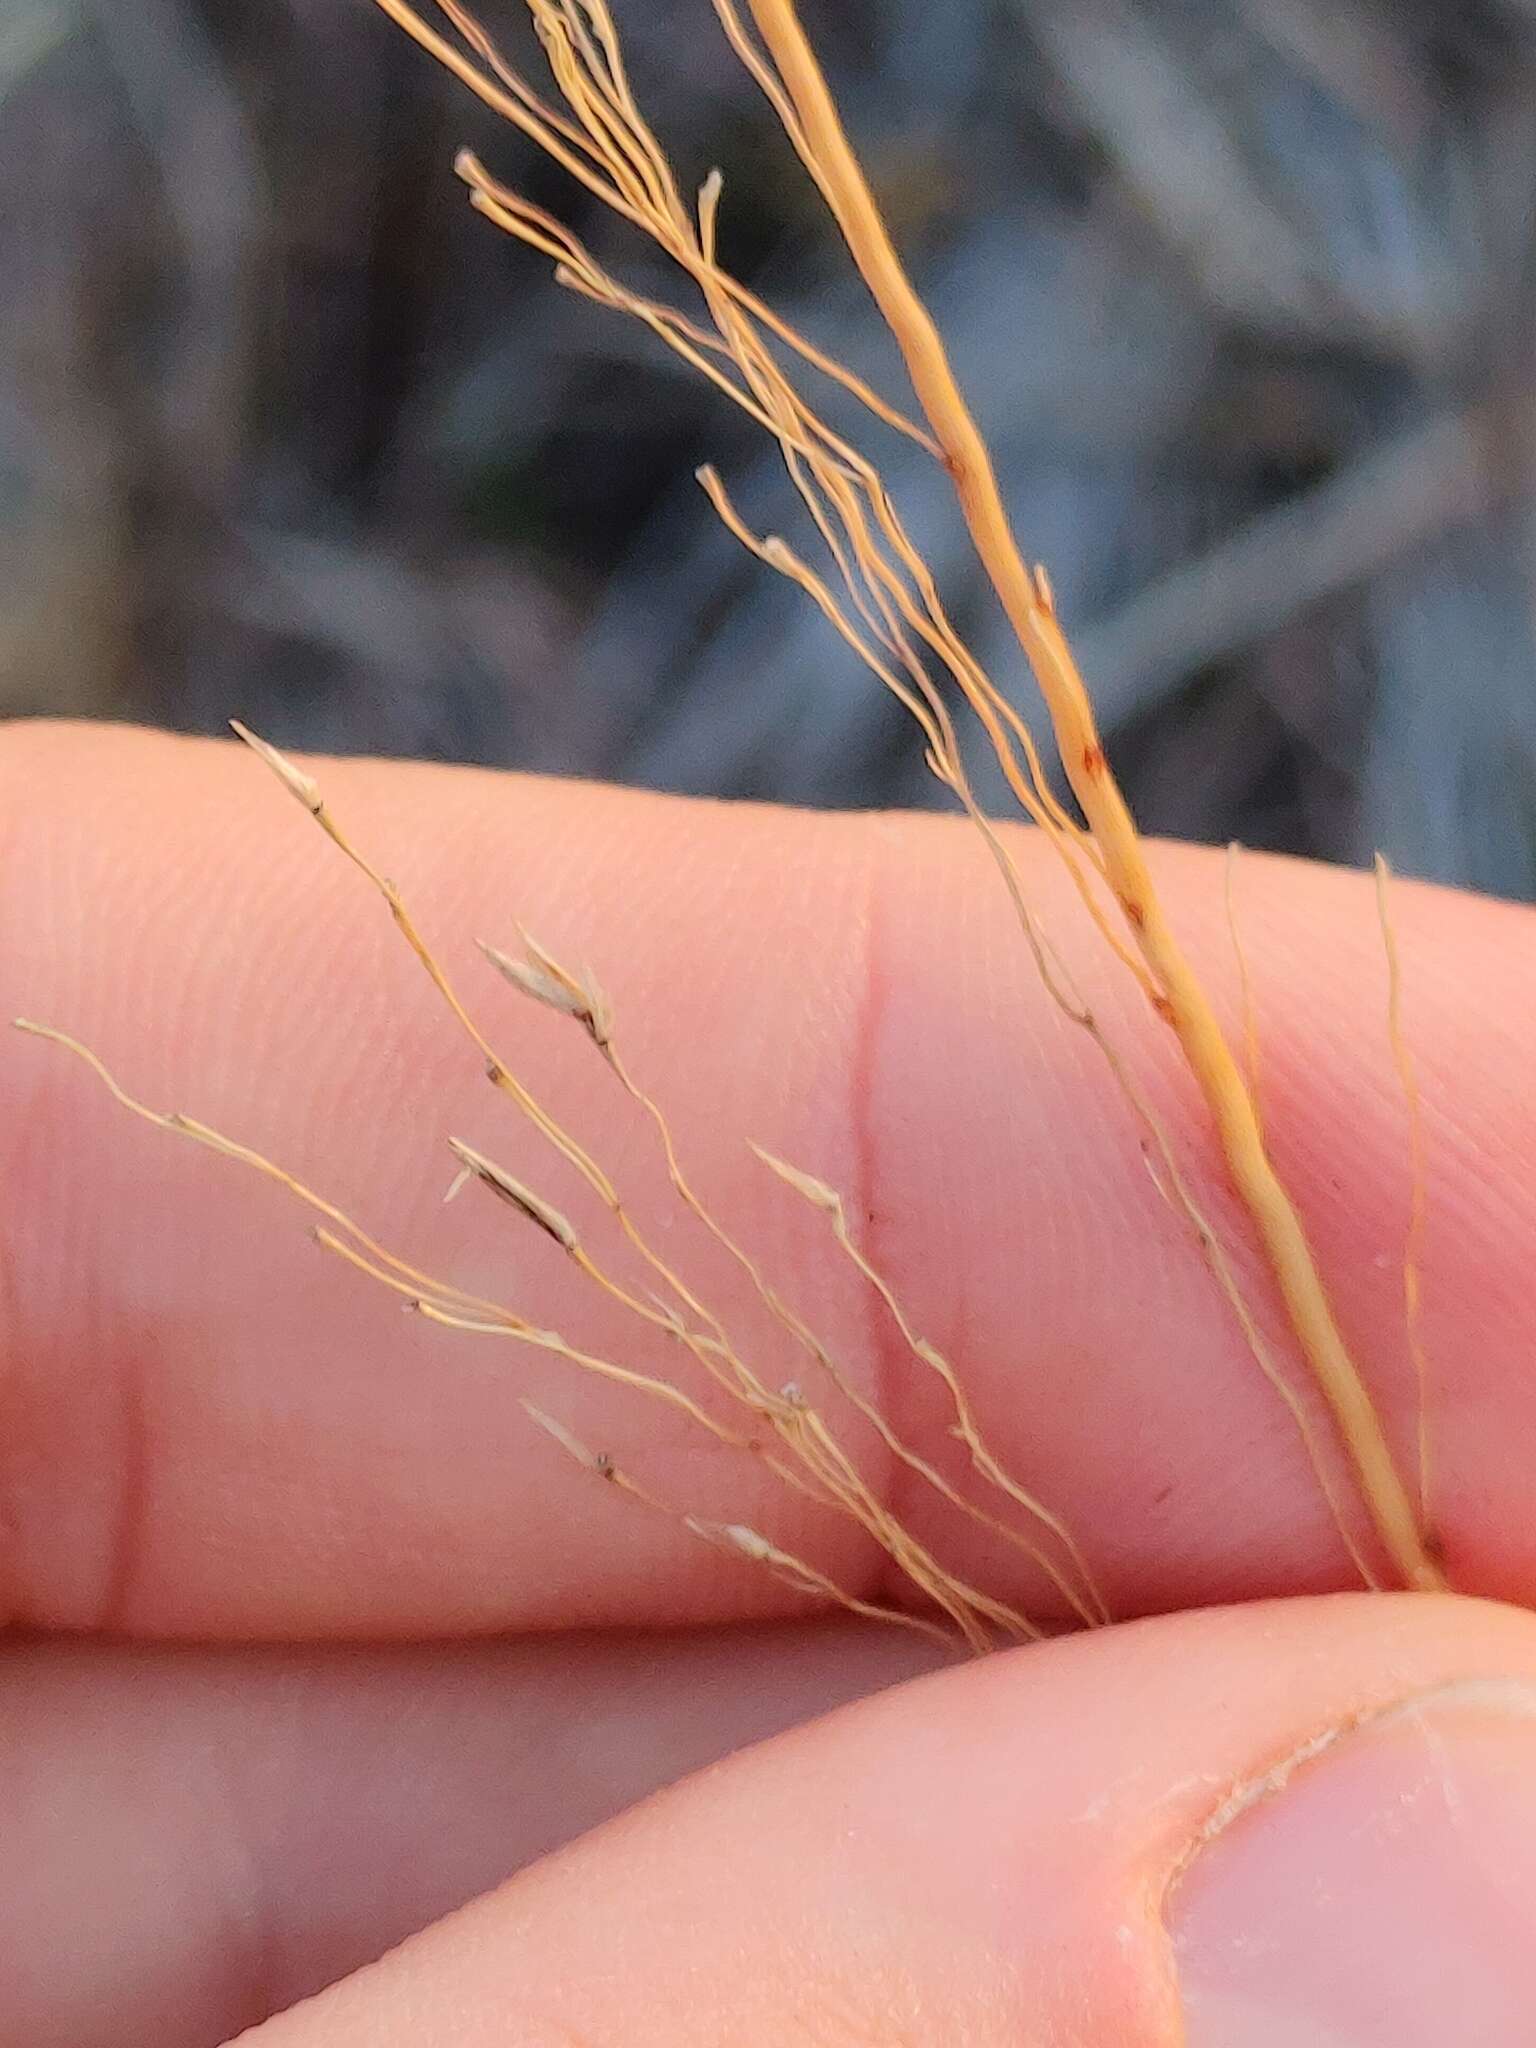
(815, 1191)
(736, 1537)
(1081, 1589)
(401, 1273)
(878, 594)
(1083, 1598)
(802, 1449)
(512, 1191)
(1418, 1178)
(1188, 1009)
(597, 1462)
(972, 1615)
(1074, 1583)
(744, 1542)
(307, 791)
(605, 142)
(966, 1427)
(543, 978)
(1176, 1191)
(302, 787)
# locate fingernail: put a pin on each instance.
(1380, 1893)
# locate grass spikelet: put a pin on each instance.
(743, 1542)
(542, 977)
(512, 1191)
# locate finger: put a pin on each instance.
(196, 1839)
(211, 1430)
(1130, 1836)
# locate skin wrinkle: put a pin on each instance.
(43, 867)
(893, 1387)
(131, 1520)
(883, 1361)
(839, 1038)
(916, 1401)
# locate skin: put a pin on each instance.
(313, 1637)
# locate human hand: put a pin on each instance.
(293, 1580)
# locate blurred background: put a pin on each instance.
(1242, 291)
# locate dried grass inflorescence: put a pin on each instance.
(875, 590)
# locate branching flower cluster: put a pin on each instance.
(867, 577)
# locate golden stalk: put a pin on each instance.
(1180, 997)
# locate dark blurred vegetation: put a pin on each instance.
(1243, 289)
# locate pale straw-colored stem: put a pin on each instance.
(1025, 597)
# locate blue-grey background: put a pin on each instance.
(1242, 289)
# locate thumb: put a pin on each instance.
(1310, 1822)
